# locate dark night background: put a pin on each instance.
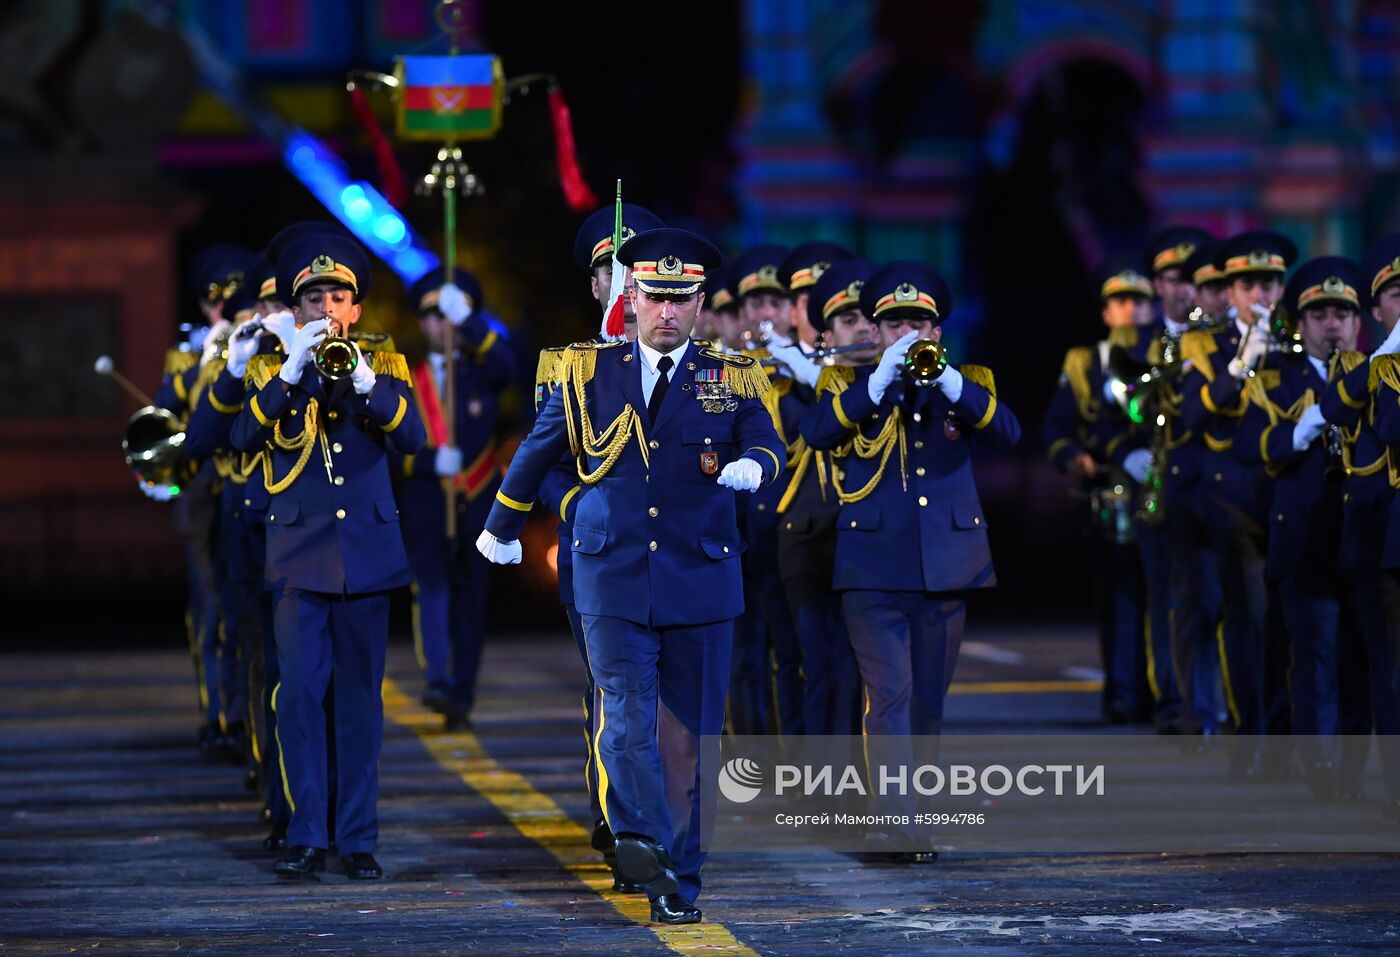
(1010, 144)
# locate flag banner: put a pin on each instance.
(449, 97)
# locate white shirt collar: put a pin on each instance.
(652, 358)
(1241, 326)
(1320, 366)
(1174, 327)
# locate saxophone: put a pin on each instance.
(1149, 508)
(1336, 468)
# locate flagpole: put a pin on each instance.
(449, 17)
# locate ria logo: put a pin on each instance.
(740, 780)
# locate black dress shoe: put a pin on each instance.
(361, 866)
(301, 862)
(602, 838)
(674, 909)
(455, 721)
(626, 887)
(642, 861)
(436, 698)
(276, 839)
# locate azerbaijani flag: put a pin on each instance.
(449, 97)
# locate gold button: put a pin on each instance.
(762, 507)
(918, 417)
(654, 444)
(919, 471)
(789, 525)
(653, 511)
(726, 549)
(1176, 469)
(923, 500)
(247, 502)
(292, 411)
(1219, 477)
(337, 447)
(977, 520)
(340, 480)
(853, 525)
(576, 543)
(918, 443)
(1280, 516)
(340, 513)
(272, 518)
(652, 546)
(332, 415)
(707, 440)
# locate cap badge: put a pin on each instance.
(906, 292)
(1258, 257)
(1333, 285)
(819, 268)
(322, 264)
(627, 233)
(768, 273)
(1184, 250)
(853, 290)
(669, 266)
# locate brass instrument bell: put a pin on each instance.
(925, 361)
(154, 447)
(336, 358)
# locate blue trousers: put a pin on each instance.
(660, 690)
(831, 679)
(1195, 615)
(590, 715)
(323, 638)
(765, 633)
(450, 581)
(1156, 573)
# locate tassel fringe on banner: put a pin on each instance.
(391, 178)
(576, 192)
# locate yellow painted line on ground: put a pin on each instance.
(1023, 687)
(538, 818)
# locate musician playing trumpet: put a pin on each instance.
(1283, 429)
(1236, 495)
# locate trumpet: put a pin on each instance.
(821, 355)
(925, 361)
(154, 447)
(1279, 327)
(336, 357)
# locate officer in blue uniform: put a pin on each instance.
(1363, 402)
(449, 576)
(808, 511)
(657, 577)
(1082, 430)
(593, 252)
(1236, 496)
(798, 272)
(214, 274)
(765, 642)
(1284, 429)
(334, 546)
(912, 538)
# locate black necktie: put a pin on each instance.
(658, 391)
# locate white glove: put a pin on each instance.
(1255, 345)
(212, 345)
(951, 382)
(1138, 465)
(240, 350)
(497, 551)
(1309, 427)
(448, 461)
(304, 343)
(363, 377)
(888, 370)
(793, 359)
(283, 325)
(1390, 345)
(452, 303)
(742, 475)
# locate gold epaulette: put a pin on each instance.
(391, 364)
(835, 379)
(261, 369)
(373, 341)
(981, 375)
(178, 361)
(1125, 336)
(579, 360)
(1198, 347)
(1350, 360)
(703, 343)
(1385, 369)
(207, 374)
(742, 374)
(547, 371)
(1076, 371)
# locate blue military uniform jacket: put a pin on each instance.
(911, 519)
(655, 540)
(331, 530)
(1384, 381)
(1305, 509)
(1347, 404)
(1212, 404)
